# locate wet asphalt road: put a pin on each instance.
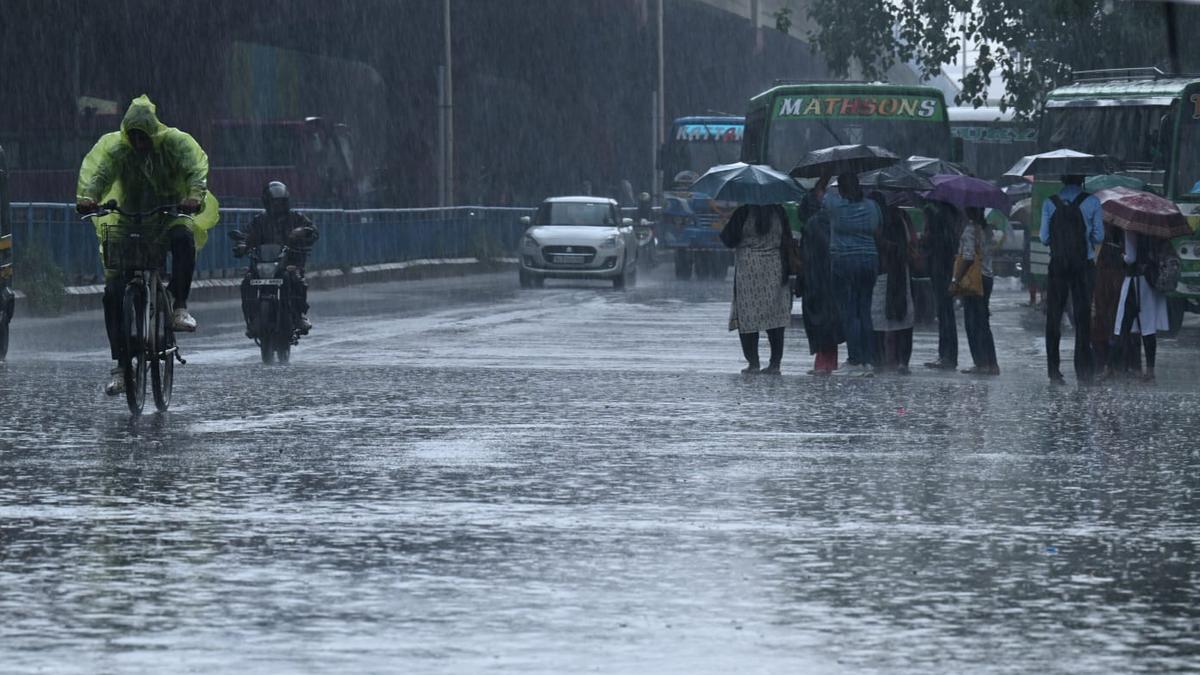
(459, 476)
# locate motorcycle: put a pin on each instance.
(275, 327)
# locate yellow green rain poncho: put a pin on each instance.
(176, 169)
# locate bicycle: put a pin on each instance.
(147, 328)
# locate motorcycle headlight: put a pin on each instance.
(266, 270)
(529, 242)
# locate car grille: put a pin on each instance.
(569, 255)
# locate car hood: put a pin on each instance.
(586, 235)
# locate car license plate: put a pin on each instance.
(266, 282)
(568, 259)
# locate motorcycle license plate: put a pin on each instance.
(266, 282)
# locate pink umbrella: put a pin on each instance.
(1143, 212)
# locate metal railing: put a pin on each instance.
(348, 238)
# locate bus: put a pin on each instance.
(694, 145)
(989, 140)
(788, 120)
(1148, 123)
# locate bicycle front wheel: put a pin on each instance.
(134, 331)
(162, 364)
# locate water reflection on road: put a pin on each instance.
(576, 478)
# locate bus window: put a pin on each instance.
(1187, 181)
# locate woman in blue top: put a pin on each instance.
(855, 261)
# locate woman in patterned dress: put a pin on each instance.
(762, 297)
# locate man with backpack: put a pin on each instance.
(1072, 226)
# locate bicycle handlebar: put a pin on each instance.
(110, 207)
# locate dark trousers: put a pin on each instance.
(943, 305)
(750, 346)
(893, 349)
(1077, 285)
(854, 279)
(183, 266)
(977, 320)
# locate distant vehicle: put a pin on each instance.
(8, 299)
(578, 238)
(988, 140)
(314, 154)
(695, 145)
(1148, 123)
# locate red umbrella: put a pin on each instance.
(1143, 212)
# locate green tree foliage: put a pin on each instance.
(1031, 45)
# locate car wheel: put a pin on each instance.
(631, 280)
(523, 276)
(619, 280)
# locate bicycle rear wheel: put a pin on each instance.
(162, 365)
(133, 329)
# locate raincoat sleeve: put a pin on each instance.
(98, 171)
(192, 162)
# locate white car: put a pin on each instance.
(578, 238)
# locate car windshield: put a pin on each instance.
(575, 213)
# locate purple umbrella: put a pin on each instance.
(965, 191)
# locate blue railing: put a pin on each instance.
(348, 238)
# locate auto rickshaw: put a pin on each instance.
(7, 297)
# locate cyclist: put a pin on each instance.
(280, 225)
(144, 166)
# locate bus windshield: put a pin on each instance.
(699, 146)
(789, 140)
(1187, 179)
(903, 122)
(1137, 137)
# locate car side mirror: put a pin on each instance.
(526, 221)
(627, 222)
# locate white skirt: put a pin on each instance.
(1152, 309)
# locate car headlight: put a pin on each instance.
(529, 242)
(612, 242)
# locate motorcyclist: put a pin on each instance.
(280, 225)
(144, 166)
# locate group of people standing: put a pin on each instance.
(854, 259)
(1107, 274)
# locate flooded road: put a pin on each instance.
(459, 476)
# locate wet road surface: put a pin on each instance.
(459, 476)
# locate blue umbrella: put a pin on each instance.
(748, 184)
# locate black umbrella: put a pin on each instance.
(841, 159)
(932, 166)
(895, 177)
(1060, 163)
